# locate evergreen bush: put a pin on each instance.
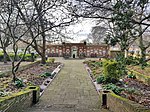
(111, 71)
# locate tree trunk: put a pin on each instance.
(14, 75)
(5, 58)
(143, 54)
(42, 26)
(44, 49)
(126, 53)
(123, 51)
(43, 59)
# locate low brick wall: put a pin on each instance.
(8, 73)
(116, 103)
(141, 77)
(19, 101)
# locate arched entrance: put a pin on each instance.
(74, 56)
(74, 53)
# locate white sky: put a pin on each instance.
(81, 30)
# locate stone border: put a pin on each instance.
(115, 102)
(49, 80)
(98, 87)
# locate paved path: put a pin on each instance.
(71, 91)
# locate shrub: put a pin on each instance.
(99, 63)
(121, 60)
(50, 60)
(132, 61)
(117, 90)
(1, 56)
(131, 75)
(46, 74)
(100, 79)
(12, 56)
(110, 71)
(130, 90)
(43, 75)
(19, 83)
(27, 57)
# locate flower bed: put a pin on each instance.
(141, 74)
(34, 75)
(127, 87)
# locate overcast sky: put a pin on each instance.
(81, 30)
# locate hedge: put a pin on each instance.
(27, 57)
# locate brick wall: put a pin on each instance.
(18, 101)
(81, 48)
(116, 103)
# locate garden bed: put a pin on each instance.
(145, 71)
(141, 77)
(34, 75)
(128, 87)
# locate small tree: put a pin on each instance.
(13, 23)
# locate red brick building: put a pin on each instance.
(77, 50)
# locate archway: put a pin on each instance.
(74, 53)
(74, 56)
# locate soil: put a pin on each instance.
(29, 76)
(141, 93)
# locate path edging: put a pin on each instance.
(49, 80)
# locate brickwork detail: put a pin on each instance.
(77, 50)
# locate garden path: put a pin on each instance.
(71, 91)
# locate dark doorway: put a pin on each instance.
(73, 55)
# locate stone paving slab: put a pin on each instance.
(71, 91)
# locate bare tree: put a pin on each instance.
(45, 16)
(5, 41)
(143, 15)
(11, 20)
(99, 9)
(98, 34)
